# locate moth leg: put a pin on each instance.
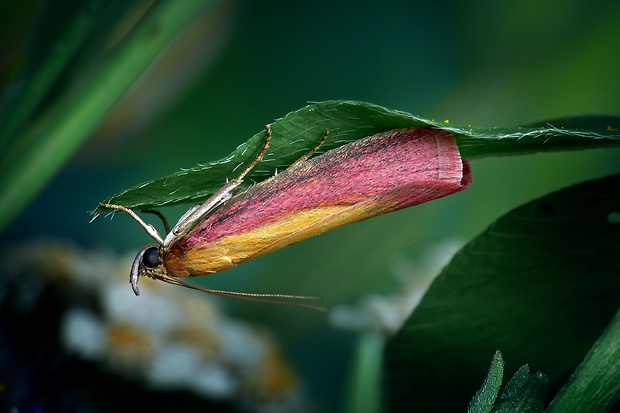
(147, 227)
(258, 158)
(312, 152)
(161, 216)
(189, 221)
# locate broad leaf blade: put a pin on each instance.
(539, 284)
(299, 131)
(595, 385)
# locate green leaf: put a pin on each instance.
(299, 131)
(539, 284)
(524, 393)
(43, 143)
(61, 52)
(595, 385)
(485, 398)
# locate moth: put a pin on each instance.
(372, 176)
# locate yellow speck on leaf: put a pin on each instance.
(610, 128)
(446, 121)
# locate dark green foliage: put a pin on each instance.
(540, 284)
(301, 130)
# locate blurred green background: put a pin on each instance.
(242, 64)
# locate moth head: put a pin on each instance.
(148, 262)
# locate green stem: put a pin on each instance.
(364, 390)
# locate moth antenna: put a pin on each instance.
(253, 297)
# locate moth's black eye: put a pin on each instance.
(150, 258)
